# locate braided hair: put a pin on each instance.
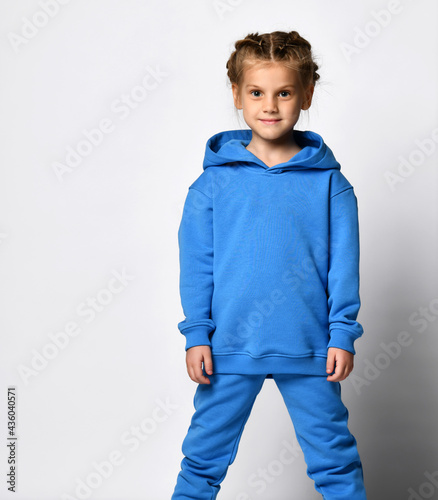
(279, 46)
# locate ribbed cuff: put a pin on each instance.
(342, 339)
(197, 335)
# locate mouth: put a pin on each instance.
(270, 121)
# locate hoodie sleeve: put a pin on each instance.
(195, 239)
(343, 273)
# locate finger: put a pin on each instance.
(330, 361)
(199, 376)
(345, 370)
(348, 370)
(204, 380)
(342, 372)
(208, 364)
(336, 376)
(341, 376)
(333, 378)
(191, 372)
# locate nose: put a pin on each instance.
(270, 104)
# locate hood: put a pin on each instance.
(226, 148)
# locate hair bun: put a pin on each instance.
(288, 47)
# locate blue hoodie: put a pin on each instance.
(269, 258)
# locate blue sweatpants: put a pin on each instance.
(319, 417)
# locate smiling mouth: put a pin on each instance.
(270, 122)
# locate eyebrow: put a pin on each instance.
(288, 85)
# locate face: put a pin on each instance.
(271, 97)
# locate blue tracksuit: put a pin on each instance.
(269, 279)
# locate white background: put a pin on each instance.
(62, 238)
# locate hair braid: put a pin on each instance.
(279, 46)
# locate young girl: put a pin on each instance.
(269, 277)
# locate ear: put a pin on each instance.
(236, 96)
(308, 94)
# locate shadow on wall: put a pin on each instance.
(395, 382)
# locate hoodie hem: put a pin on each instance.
(248, 365)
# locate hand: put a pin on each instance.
(194, 357)
(342, 360)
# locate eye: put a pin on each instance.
(284, 93)
(255, 93)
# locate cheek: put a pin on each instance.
(295, 106)
(249, 106)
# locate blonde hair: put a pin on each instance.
(288, 48)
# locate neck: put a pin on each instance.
(274, 152)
